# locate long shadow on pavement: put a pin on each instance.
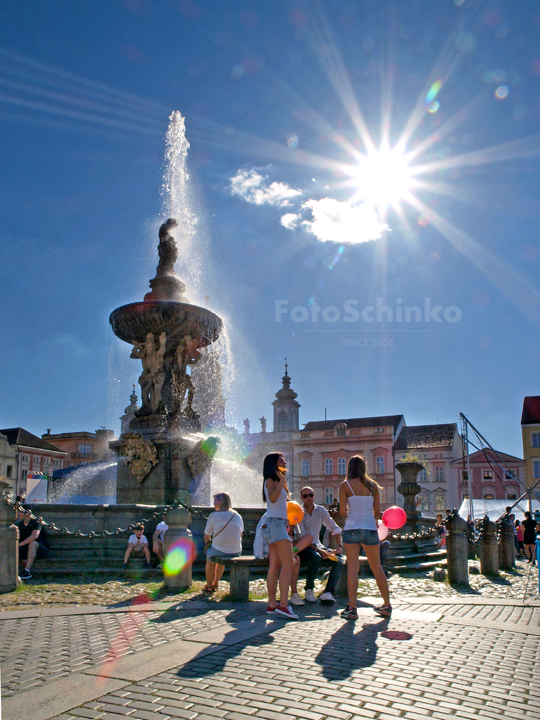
(348, 650)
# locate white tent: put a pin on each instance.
(495, 508)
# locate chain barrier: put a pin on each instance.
(193, 511)
(108, 533)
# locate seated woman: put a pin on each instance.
(224, 529)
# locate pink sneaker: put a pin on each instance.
(286, 612)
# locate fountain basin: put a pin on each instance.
(131, 323)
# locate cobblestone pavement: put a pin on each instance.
(443, 654)
(72, 592)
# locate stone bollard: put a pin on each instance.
(9, 549)
(507, 545)
(488, 550)
(180, 540)
(457, 549)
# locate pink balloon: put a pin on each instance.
(394, 517)
(382, 530)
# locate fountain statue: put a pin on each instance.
(163, 452)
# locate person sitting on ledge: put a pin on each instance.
(223, 539)
(158, 540)
(137, 546)
(32, 542)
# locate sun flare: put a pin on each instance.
(383, 178)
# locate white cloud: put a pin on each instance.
(290, 220)
(251, 186)
(340, 222)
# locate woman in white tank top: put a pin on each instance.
(359, 503)
(274, 532)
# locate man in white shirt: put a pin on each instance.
(158, 540)
(315, 516)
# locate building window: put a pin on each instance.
(24, 475)
(536, 468)
(422, 476)
(24, 458)
(305, 468)
(84, 449)
(439, 473)
(511, 496)
(328, 496)
(328, 466)
(535, 439)
(9, 471)
(379, 464)
(487, 475)
(440, 503)
(488, 496)
(464, 475)
(36, 460)
(509, 475)
(341, 466)
(423, 503)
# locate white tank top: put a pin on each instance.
(279, 508)
(360, 515)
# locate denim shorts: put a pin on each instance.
(361, 536)
(275, 529)
(214, 555)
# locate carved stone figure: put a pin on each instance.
(187, 353)
(167, 250)
(246, 426)
(141, 454)
(263, 424)
(153, 374)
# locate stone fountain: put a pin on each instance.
(164, 451)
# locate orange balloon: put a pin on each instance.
(295, 512)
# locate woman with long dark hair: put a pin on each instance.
(274, 532)
(359, 503)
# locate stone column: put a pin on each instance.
(178, 543)
(507, 545)
(9, 547)
(457, 549)
(409, 488)
(488, 550)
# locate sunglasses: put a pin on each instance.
(307, 495)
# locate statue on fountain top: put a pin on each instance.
(166, 286)
(167, 250)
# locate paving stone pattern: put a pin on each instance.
(37, 650)
(330, 669)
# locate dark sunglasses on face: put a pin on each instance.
(307, 495)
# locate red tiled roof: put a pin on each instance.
(393, 420)
(531, 410)
(20, 436)
(425, 436)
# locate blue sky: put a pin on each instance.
(283, 103)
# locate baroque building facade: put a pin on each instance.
(318, 453)
(82, 447)
(34, 455)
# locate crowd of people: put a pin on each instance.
(289, 546)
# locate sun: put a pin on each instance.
(382, 178)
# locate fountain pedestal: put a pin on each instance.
(163, 451)
(409, 541)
